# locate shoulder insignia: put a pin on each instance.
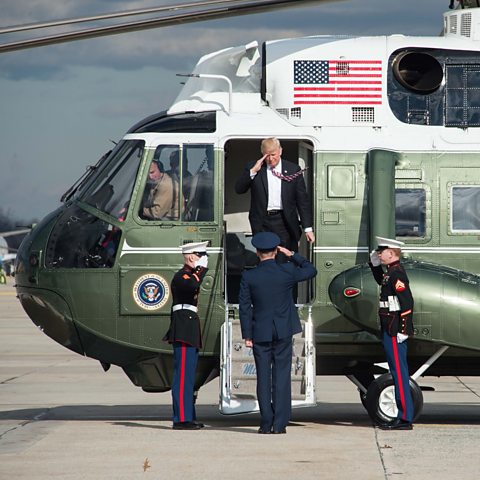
(399, 286)
(185, 276)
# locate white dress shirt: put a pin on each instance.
(274, 188)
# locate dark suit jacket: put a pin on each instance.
(294, 198)
(266, 298)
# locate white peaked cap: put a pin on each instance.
(200, 247)
(388, 243)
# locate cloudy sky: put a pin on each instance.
(60, 106)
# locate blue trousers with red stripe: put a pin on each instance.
(397, 361)
(185, 364)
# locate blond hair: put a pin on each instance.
(271, 143)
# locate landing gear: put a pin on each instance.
(378, 395)
(380, 399)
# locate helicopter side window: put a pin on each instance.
(112, 194)
(180, 184)
(410, 212)
(199, 191)
(465, 209)
(161, 199)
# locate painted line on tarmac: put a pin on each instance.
(7, 293)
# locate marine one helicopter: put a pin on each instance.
(388, 128)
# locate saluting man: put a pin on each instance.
(279, 201)
(269, 318)
(185, 333)
(396, 320)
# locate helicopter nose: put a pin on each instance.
(354, 294)
(47, 308)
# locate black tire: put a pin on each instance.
(365, 378)
(380, 399)
(363, 399)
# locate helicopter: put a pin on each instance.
(388, 128)
(8, 254)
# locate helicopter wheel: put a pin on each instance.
(380, 399)
(363, 399)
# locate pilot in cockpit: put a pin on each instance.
(160, 197)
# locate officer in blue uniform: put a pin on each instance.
(185, 333)
(396, 313)
(269, 318)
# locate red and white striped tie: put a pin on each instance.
(287, 178)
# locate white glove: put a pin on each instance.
(202, 262)
(401, 337)
(375, 259)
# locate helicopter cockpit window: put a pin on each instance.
(199, 194)
(410, 212)
(81, 240)
(465, 209)
(160, 199)
(112, 194)
(180, 184)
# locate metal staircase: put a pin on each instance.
(238, 374)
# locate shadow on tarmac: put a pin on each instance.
(339, 414)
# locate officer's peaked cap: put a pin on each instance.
(266, 241)
(383, 243)
(197, 247)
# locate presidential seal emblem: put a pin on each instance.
(151, 291)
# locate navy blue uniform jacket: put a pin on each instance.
(266, 299)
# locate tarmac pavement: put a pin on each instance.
(62, 416)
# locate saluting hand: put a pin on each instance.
(375, 259)
(258, 165)
(285, 251)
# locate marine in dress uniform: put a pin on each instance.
(396, 313)
(185, 333)
(268, 319)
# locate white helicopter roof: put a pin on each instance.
(314, 80)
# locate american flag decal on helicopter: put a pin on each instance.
(337, 82)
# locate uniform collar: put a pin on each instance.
(393, 264)
(270, 260)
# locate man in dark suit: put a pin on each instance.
(278, 196)
(269, 318)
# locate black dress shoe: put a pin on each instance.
(187, 426)
(282, 430)
(397, 424)
(264, 431)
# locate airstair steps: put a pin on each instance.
(239, 379)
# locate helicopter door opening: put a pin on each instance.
(237, 368)
(239, 252)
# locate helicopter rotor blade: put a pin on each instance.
(220, 10)
(108, 16)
